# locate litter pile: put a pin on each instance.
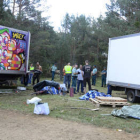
(40, 108)
(127, 111)
(92, 94)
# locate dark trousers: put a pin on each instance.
(68, 80)
(78, 85)
(74, 80)
(53, 74)
(103, 81)
(87, 80)
(36, 76)
(94, 80)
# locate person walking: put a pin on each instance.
(103, 73)
(53, 69)
(87, 69)
(68, 71)
(74, 77)
(31, 74)
(37, 73)
(80, 79)
(94, 75)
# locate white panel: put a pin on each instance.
(124, 60)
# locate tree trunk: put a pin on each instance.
(98, 49)
(14, 6)
(20, 6)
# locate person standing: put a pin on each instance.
(64, 76)
(37, 73)
(103, 73)
(31, 73)
(53, 69)
(94, 75)
(74, 77)
(68, 71)
(87, 69)
(80, 79)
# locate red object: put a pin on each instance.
(71, 92)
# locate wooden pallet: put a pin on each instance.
(111, 99)
(98, 103)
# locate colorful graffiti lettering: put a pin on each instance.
(10, 51)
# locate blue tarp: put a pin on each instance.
(51, 90)
(93, 94)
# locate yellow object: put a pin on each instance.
(32, 68)
(68, 69)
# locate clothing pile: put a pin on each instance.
(93, 94)
(53, 90)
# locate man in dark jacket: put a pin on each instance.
(87, 69)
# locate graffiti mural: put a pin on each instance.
(13, 47)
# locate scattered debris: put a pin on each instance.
(96, 109)
(21, 88)
(34, 100)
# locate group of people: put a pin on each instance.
(34, 74)
(81, 76)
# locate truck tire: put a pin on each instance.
(131, 96)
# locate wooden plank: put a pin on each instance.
(94, 101)
(111, 99)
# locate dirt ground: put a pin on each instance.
(18, 126)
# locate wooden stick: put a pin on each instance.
(96, 109)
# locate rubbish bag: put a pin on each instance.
(42, 109)
(34, 100)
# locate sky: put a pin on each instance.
(58, 9)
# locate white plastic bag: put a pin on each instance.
(42, 109)
(34, 100)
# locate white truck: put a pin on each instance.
(123, 70)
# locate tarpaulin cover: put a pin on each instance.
(45, 83)
(93, 94)
(127, 111)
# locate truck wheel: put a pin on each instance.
(131, 96)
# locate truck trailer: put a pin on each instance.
(14, 53)
(123, 69)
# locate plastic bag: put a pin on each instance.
(42, 109)
(34, 100)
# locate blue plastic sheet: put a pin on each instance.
(51, 90)
(93, 94)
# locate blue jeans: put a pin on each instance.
(68, 80)
(94, 80)
(78, 85)
(30, 78)
(53, 74)
(64, 80)
(74, 80)
(103, 81)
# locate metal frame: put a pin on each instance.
(125, 85)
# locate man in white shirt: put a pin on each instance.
(80, 79)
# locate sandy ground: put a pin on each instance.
(17, 126)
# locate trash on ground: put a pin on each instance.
(34, 100)
(21, 88)
(42, 109)
(93, 94)
(127, 111)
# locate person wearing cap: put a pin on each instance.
(53, 69)
(74, 77)
(103, 73)
(94, 75)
